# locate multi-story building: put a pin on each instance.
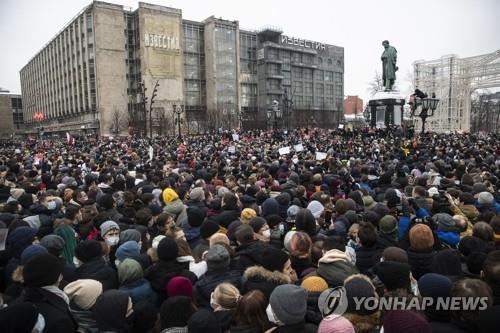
(91, 75)
(353, 105)
(11, 114)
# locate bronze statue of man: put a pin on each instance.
(389, 68)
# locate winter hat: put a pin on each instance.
(292, 212)
(156, 241)
(394, 275)
(270, 207)
(388, 224)
(110, 311)
(53, 243)
(26, 200)
(217, 258)
(18, 318)
(434, 285)
(478, 188)
(108, 226)
(129, 271)
(42, 270)
(444, 222)
(369, 202)
(68, 234)
(208, 228)
(485, 198)
(219, 238)
(31, 252)
(179, 286)
(169, 195)
(247, 214)
(273, 259)
(448, 263)
(197, 194)
(316, 208)
(314, 284)
(88, 250)
(398, 321)
(84, 292)
(433, 191)
(130, 235)
(335, 324)
(175, 312)
(19, 239)
(359, 286)
(289, 303)
(421, 237)
(203, 321)
(288, 239)
(256, 223)
(128, 249)
(195, 217)
(167, 249)
(393, 253)
(475, 262)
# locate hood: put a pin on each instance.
(260, 273)
(175, 207)
(333, 256)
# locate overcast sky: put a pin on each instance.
(424, 29)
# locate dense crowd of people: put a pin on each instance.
(241, 232)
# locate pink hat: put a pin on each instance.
(335, 324)
(180, 286)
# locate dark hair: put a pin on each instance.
(305, 221)
(251, 310)
(230, 201)
(244, 234)
(107, 201)
(470, 288)
(176, 311)
(491, 270)
(334, 242)
(367, 234)
(495, 224)
(143, 216)
(71, 212)
(420, 190)
(483, 231)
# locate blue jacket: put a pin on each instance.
(140, 290)
(192, 234)
(451, 238)
(494, 207)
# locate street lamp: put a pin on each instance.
(178, 109)
(428, 106)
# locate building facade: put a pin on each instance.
(94, 74)
(353, 105)
(11, 114)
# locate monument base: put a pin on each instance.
(386, 109)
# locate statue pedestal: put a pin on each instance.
(386, 109)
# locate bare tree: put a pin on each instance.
(376, 84)
(119, 121)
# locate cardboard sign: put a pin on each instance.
(232, 149)
(341, 126)
(298, 148)
(284, 150)
(320, 156)
(236, 137)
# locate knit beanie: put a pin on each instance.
(398, 321)
(485, 198)
(129, 271)
(108, 226)
(444, 222)
(256, 223)
(19, 239)
(42, 270)
(314, 284)
(393, 253)
(31, 252)
(130, 235)
(167, 249)
(368, 202)
(128, 249)
(359, 286)
(169, 195)
(394, 275)
(388, 224)
(88, 250)
(84, 292)
(247, 214)
(335, 324)
(208, 228)
(273, 259)
(270, 207)
(217, 258)
(219, 238)
(197, 194)
(316, 208)
(203, 321)
(292, 212)
(53, 243)
(179, 286)
(195, 217)
(288, 239)
(479, 188)
(421, 237)
(289, 303)
(434, 285)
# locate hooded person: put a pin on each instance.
(90, 264)
(191, 228)
(174, 206)
(17, 241)
(394, 275)
(448, 263)
(218, 271)
(67, 233)
(275, 269)
(435, 286)
(175, 313)
(110, 233)
(131, 278)
(130, 235)
(335, 324)
(364, 318)
(388, 232)
(41, 276)
(287, 309)
(113, 311)
(167, 267)
(31, 319)
(82, 295)
(203, 321)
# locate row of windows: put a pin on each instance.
(298, 57)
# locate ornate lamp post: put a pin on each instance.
(178, 110)
(428, 106)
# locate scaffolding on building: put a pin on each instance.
(453, 80)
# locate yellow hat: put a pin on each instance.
(169, 195)
(247, 214)
(314, 284)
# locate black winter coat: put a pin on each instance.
(210, 280)
(248, 255)
(98, 269)
(420, 261)
(257, 277)
(160, 274)
(366, 257)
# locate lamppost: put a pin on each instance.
(142, 92)
(274, 114)
(287, 104)
(155, 90)
(428, 106)
(178, 109)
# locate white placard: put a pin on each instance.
(298, 148)
(236, 137)
(232, 149)
(284, 150)
(320, 156)
(341, 126)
